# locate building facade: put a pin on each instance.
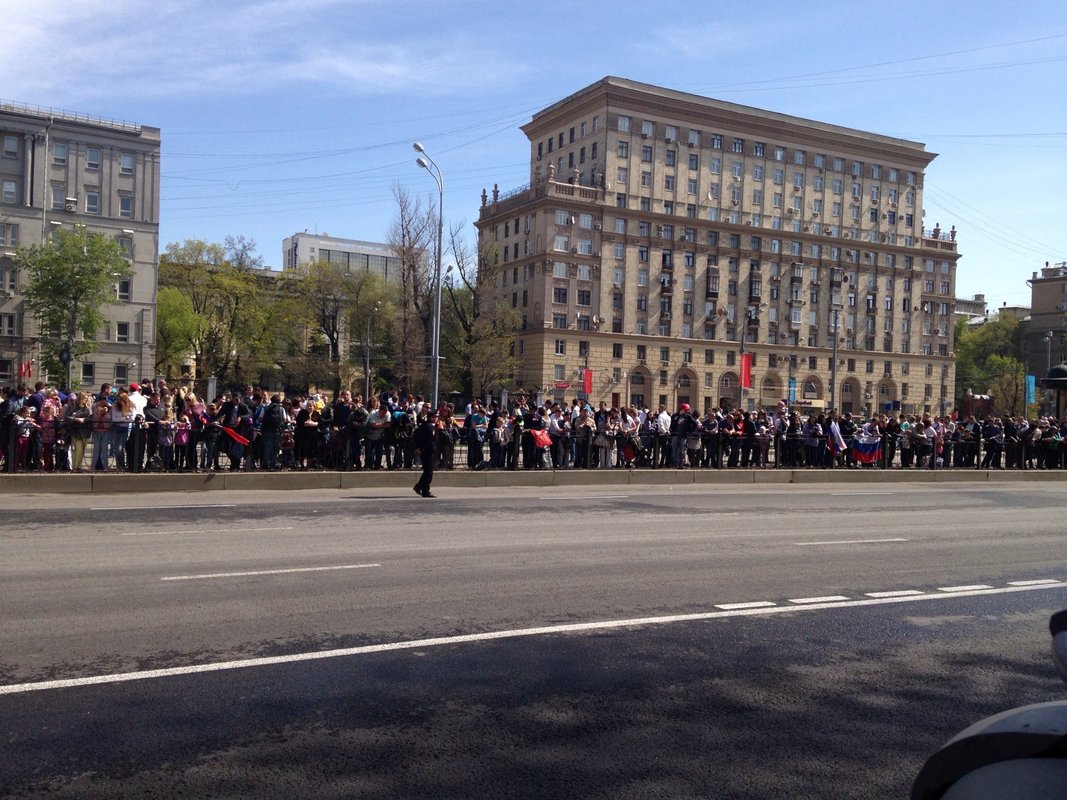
(1047, 329)
(358, 256)
(975, 308)
(59, 169)
(665, 239)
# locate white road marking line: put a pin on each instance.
(861, 494)
(850, 541)
(265, 572)
(1041, 582)
(163, 508)
(972, 588)
(833, 598)
(442, 641)
(900, 593)
(559, 497)
(739, 606)
(212, 530)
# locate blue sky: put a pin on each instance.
(284, 115)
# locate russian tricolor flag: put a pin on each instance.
(867, 452)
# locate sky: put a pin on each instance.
(280, 116)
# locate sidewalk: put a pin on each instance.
(115, 483)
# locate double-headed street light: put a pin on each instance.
(430, 166)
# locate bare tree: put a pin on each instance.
(477, 333)
(412, 238)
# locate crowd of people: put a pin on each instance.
(152, 427)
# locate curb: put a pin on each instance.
(118, 483)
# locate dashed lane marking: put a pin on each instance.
(201, 531)
(850, 541)
(548, 630)
(163, 508)
(1041, 582)
(900, 593)
(973, 588)
(265, 572)
(833, 598)
(740, 606)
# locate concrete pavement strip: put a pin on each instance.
(119, 483)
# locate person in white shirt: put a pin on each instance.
(137, 400)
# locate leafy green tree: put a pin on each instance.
(177, 325)
(333, 304)
(70, 278)
(976, 346)
(233, 338)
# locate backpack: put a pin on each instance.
(274, 418)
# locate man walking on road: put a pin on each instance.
(426, 444)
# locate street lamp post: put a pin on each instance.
(751, 315)
(366, 352)
(833, 362)
(430, 166)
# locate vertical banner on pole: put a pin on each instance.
(746, 370)
(792, 391)
(587, 381)
(1031, 389)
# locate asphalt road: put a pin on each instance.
(651, 642)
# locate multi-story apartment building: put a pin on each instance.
(1047, 328)
(975, 308)
(61, 169)
(665, 239)
(356, 255)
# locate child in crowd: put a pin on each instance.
(165, 440)
(181, 443)
(24, 429)
(209, 438)
(47, 433)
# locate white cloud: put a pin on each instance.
(77, 52)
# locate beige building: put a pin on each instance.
(1047, 329)
(60, 168)
(664, 237)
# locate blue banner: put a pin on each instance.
(792, 391)
(1031, 387)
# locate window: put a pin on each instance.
(92, 201)
(623, 149)
(671, 158)
(561, 347)
(92, 158)
(126, 163)
(646, 153)
(122, 331)
(124, 290)
(7, 325)
(623, 124)
(126, 206)
(59, 153)
(9, 191)
(559, 294)
(671, 133)
(59, 198)
(11, 147)
(559, 321)
(584, 297)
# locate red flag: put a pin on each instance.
(587, 381)
(29, 368)
(746, 370)
(22, 369)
